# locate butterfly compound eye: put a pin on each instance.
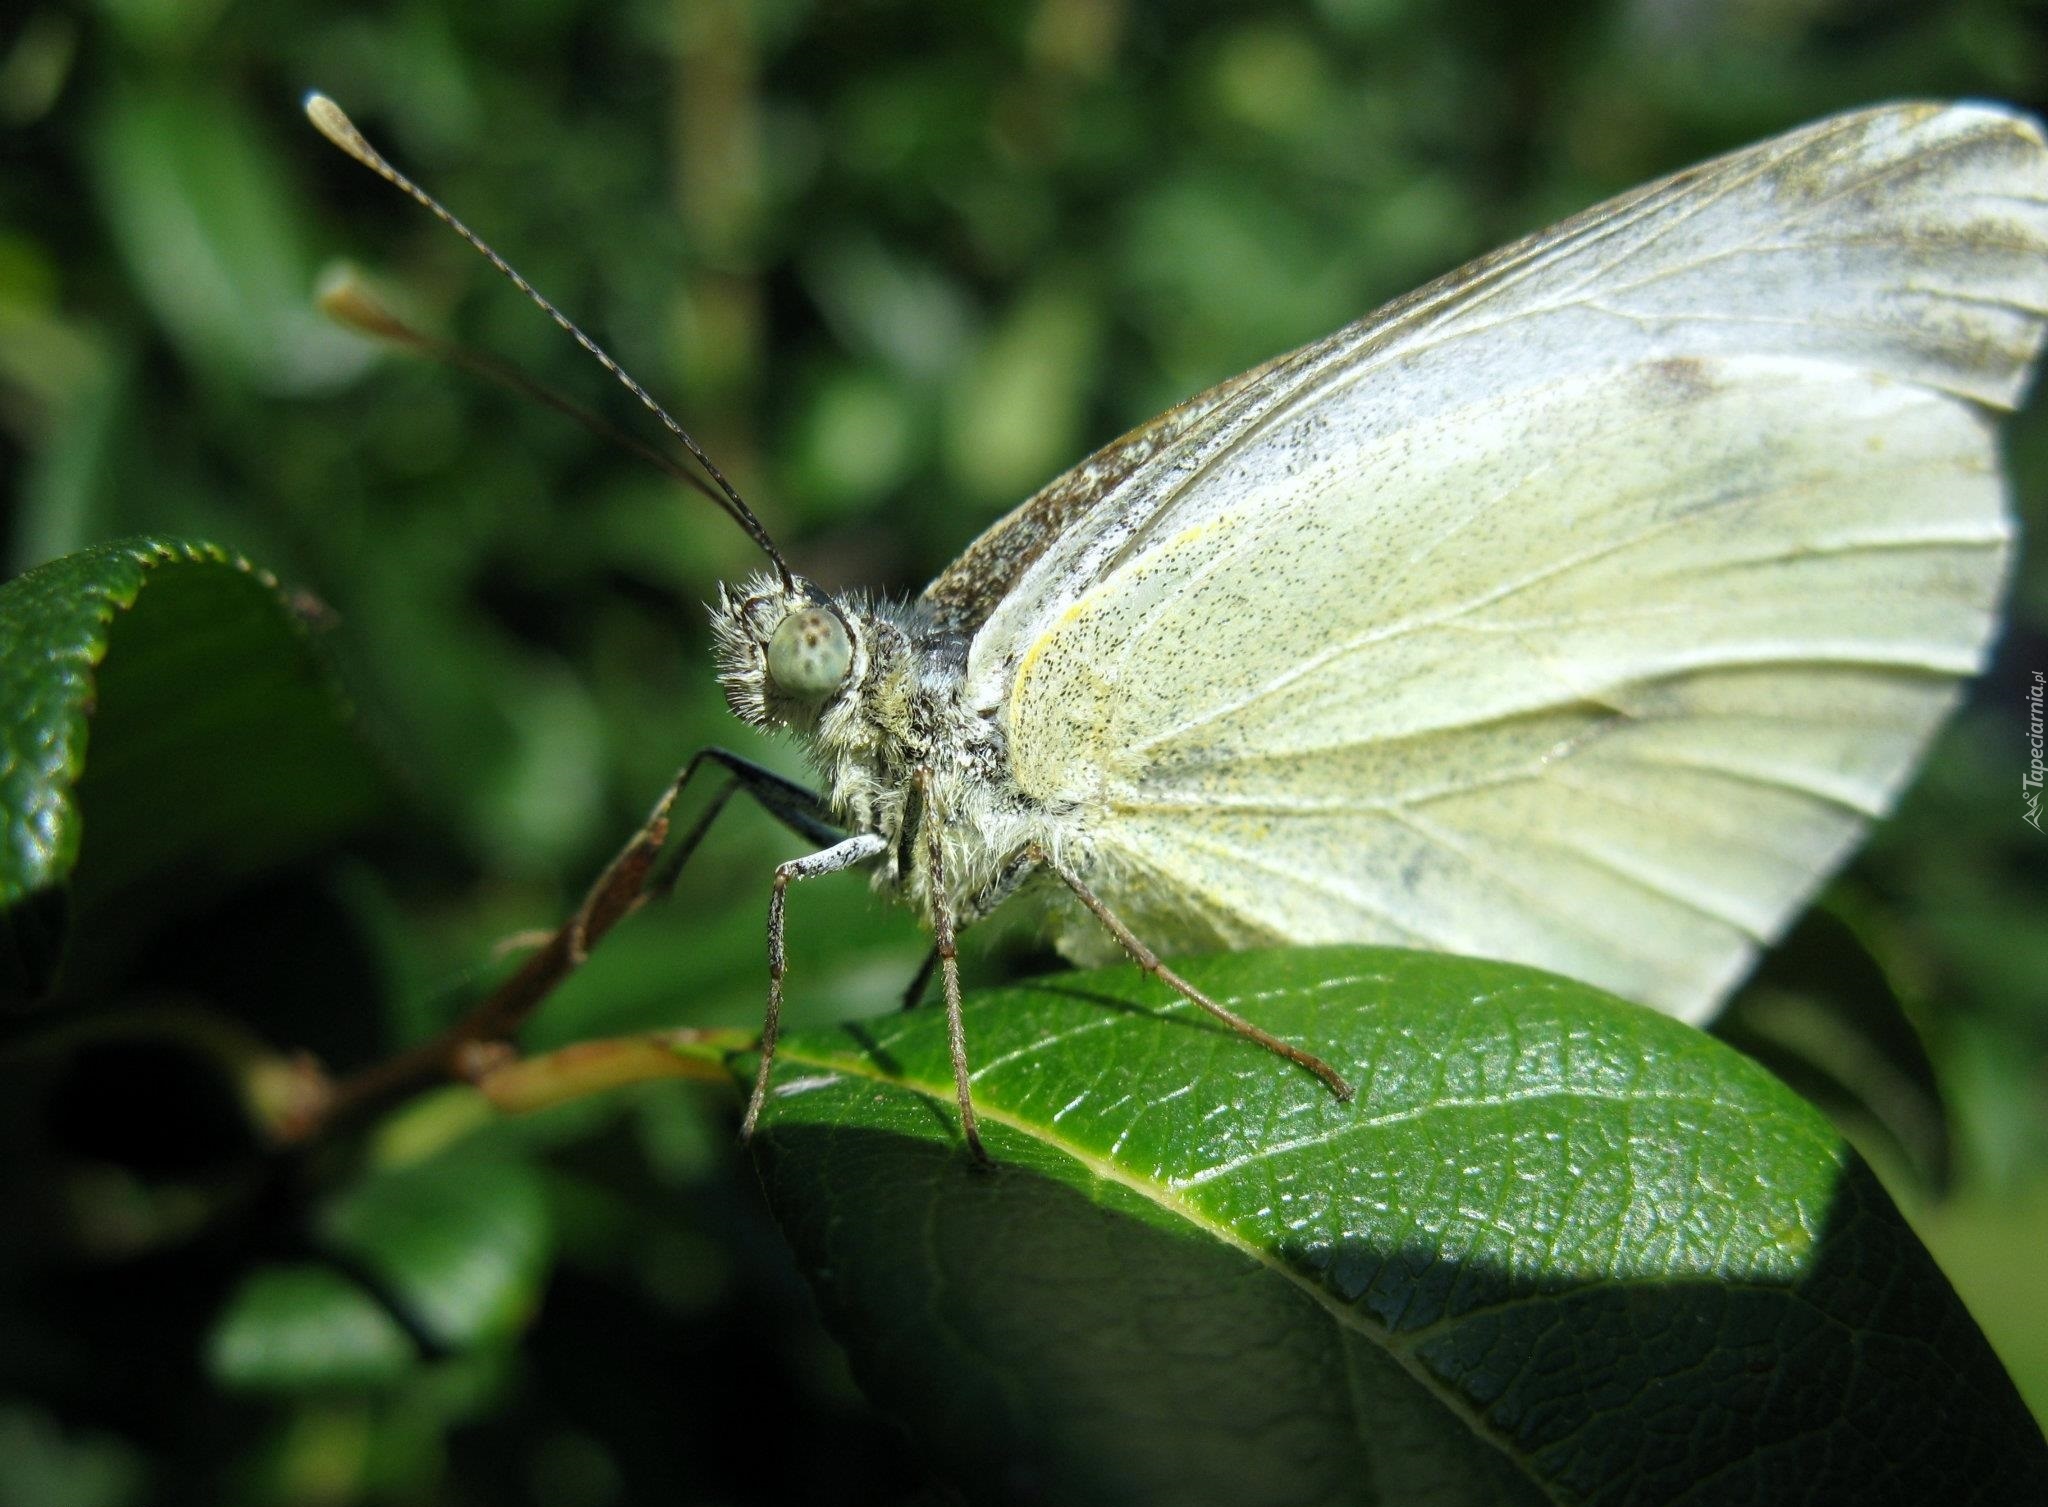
(810, 654)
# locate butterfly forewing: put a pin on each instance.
(965, 592)
(1579, 609)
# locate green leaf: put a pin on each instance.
(206, 219)
(459, 1245)
(1559, 1249)
(218, 746)
(43, 1462)
(1823, 1014)
(301, 1328)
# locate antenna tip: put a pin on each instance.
(344, 297)
(330, 121)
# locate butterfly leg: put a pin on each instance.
(646, 868)
(946, 947)
(956, 1025)
(1148, 960)
(1001, 888)
(802, 811)
(843, 855)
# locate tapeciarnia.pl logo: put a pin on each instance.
(2030, 782)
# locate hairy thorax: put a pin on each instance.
(897, 750)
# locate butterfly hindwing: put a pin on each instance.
(1580, 609)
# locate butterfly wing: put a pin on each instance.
(960, 599)
(1580, 609)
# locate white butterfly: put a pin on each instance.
(1580, 609)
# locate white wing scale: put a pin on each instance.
(1581, 609)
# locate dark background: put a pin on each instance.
(896, 265)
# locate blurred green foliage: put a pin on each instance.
(895, 264)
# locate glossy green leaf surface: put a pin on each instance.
(166, 728)
(1559, 1249)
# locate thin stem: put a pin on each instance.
(475, 1044)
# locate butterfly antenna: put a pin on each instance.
(329, 119)
(343, 297)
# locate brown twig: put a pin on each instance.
(480, 1043)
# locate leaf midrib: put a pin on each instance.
(1345, 1316)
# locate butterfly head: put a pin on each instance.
(788, 653)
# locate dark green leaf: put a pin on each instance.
(218, 748)
(1560, 1248)
(1824, 1015)
(458, 1246)
(299, 1328)
(44, 1463)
